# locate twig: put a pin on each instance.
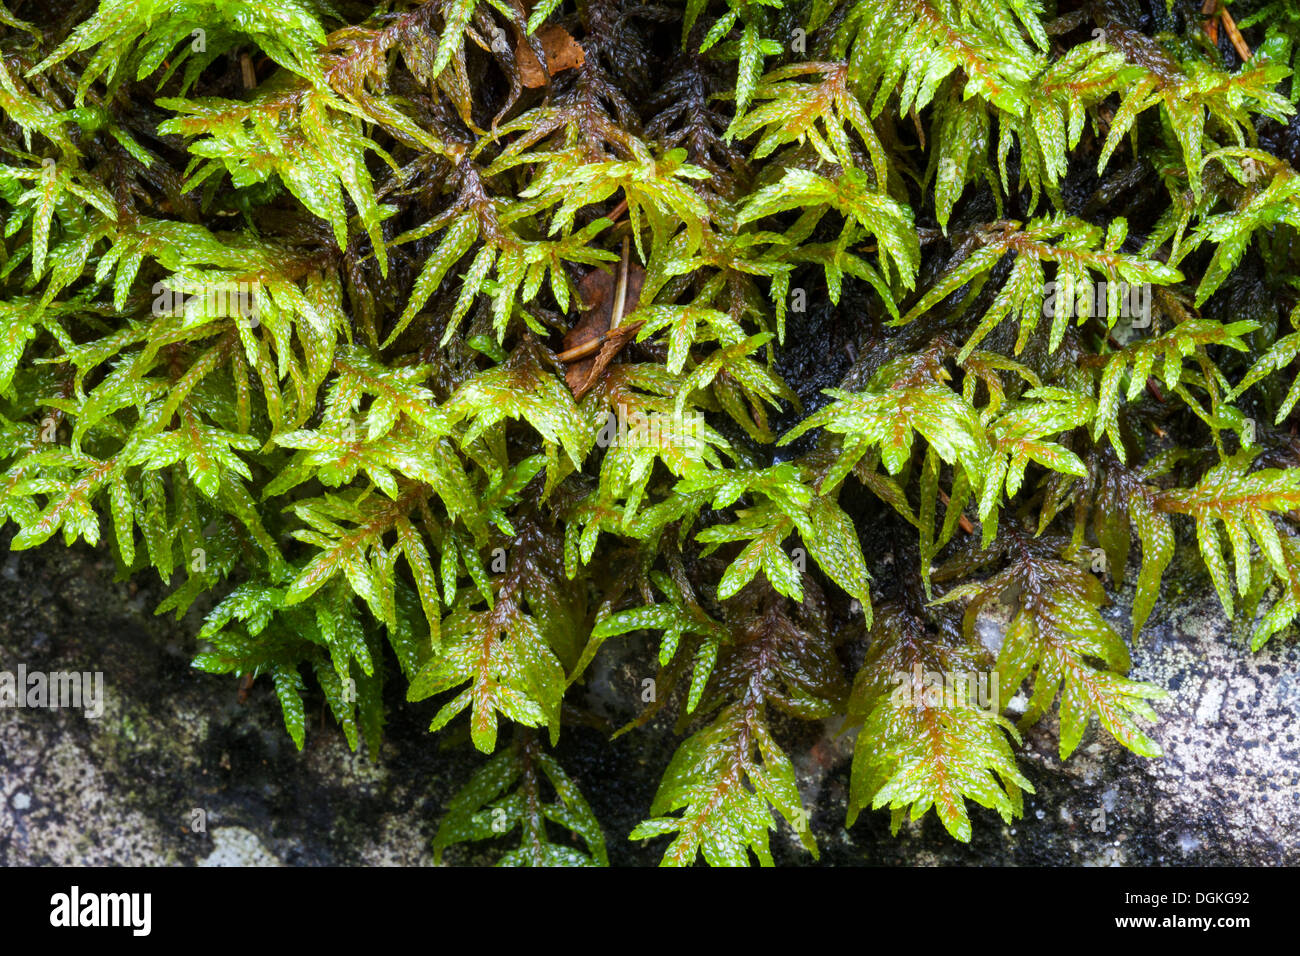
(620, 296)
(620, 302)
(582, 351)
(1238, 41)
(1210, 25)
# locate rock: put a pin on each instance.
(124, 789)
(1226, 792)
(236, 846)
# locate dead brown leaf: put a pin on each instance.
(595, 346)
(562, 53)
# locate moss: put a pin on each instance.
(431, 352)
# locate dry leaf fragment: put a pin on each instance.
(591, 335)
(562, 53)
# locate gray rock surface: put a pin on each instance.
(177, 771)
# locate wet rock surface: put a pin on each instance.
(174, 749)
